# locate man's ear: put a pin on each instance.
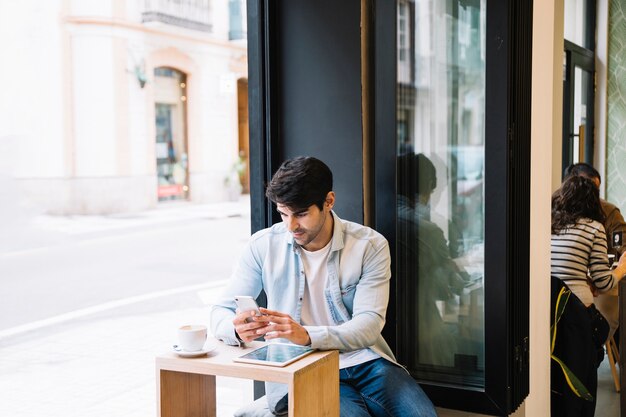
(330, 200)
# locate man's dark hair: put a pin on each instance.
(301, 182)
(577, 198)
(581, 169)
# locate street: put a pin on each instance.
(83, 272)
(87, 303)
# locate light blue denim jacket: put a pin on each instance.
(356, 293)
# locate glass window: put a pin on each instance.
(402, 31)
(237, 20)
(576, 23)
(440, 200)
(581, 85)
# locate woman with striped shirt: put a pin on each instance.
(579, 247)
(579, 259)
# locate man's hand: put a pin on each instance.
(281, 325)
(248, 331)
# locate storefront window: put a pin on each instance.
(171, 141)
(440, 200)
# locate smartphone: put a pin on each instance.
(247, 303)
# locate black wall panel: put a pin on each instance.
(319, 67)
(317, 71)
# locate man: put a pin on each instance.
(615, 228)
(327, 286)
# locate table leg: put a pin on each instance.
(310, 398)
(181, 394)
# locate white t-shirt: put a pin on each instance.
(317, 313)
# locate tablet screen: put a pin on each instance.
(277, 353)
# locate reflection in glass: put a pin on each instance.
(440, 199)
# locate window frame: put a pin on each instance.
(507, 176)
(577, 57)
(507, 195)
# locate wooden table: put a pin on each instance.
(186, 386)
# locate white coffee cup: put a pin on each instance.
(192, 337)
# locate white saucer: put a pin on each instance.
(194, 354)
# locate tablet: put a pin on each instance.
(275, 354)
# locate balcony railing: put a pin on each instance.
(190, 14)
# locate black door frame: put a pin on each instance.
(576, 56)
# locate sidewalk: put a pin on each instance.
(99, 367)
(102, 364)
(164, 214)
(38, 231)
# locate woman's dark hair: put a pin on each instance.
(301, 182)
(576, 198)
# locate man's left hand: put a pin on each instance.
(281, 325)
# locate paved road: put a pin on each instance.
(87, 302)
(90, 261)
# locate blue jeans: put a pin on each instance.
(379, 388)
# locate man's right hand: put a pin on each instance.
(247, 331)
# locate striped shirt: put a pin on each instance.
(578, 252)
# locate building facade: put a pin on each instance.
(113, 106)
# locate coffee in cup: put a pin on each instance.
(192, 337)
